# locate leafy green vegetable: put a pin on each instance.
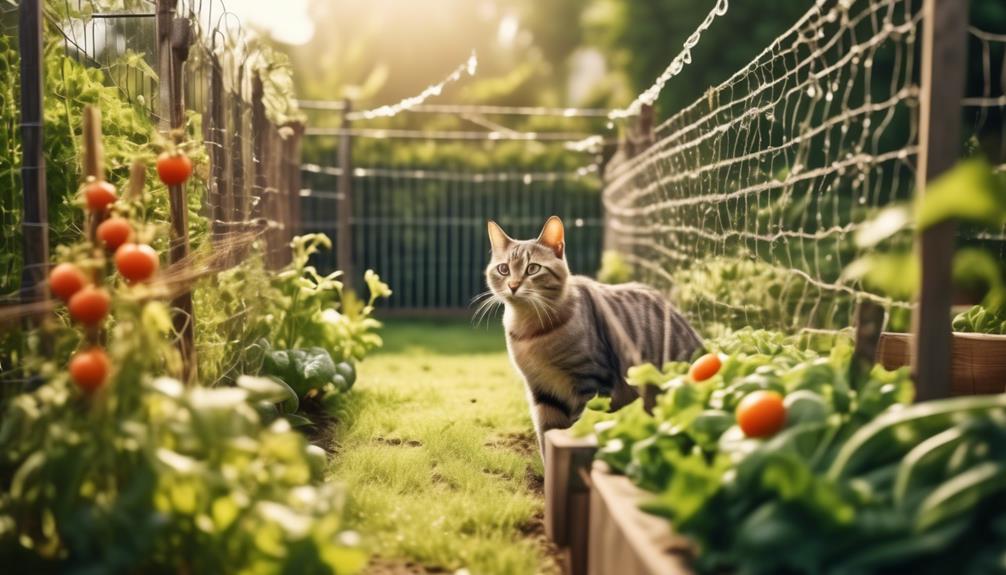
(857, 481)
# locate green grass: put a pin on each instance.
(438, 456)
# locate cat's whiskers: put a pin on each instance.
(534, 306)
(548, 308)
(483, 295)
(491, 303)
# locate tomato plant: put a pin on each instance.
(114, 232)
(174, 168)
(89, 368)
(89, 305)
(65, 280)
(136, 262)
(761, 414)
(99, 195)
(705, 367)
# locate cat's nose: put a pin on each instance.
(513, 287)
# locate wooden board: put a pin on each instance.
(624, 539)
(567, 495)
(978, 361)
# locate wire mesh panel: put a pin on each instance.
(426, 230)
(748, 201)
(984, 107)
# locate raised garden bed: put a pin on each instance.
(594, 516)
(568, 461)
(978, 360)
(623, 538)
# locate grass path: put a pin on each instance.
(438, 457)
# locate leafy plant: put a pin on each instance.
(856, 482)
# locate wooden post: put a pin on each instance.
(94, 169)
(944, 51)
(172, 51)
(215, 144)
(238, 150)
(292, 154)
(35, 218)
(261, 161)
(344, 234)
(869, 325)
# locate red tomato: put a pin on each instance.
(705, 367)
(114, 232)
(89, 368)
(761, 414)
(99, 195)
(89, 305)
(66, 280)
(174, 169)
(136, 262)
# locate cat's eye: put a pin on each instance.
(533, 269)
(503, 269)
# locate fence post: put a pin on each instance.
(944, 50)
(238, 195)
(215, 143)
(35, 218)
(260, 137)
(293, 181)
(172, 51)
(344, 234)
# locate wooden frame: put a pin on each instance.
(625, 539)
(944, 49)
(567, 495)
(978, 361)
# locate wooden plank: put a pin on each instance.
(344, 210)
(35, 215)
(624, 539)
(173, 36)
(944, 53)
(567, 495)
(978, 362)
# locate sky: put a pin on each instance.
(286, 20)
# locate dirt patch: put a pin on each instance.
(323, 432)
(524, 443)
(378, 566)
(399, 441)
(534, 530)
(535, 482)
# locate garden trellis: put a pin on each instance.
(769, 175)
(985, 115)
(747, 203)
(188, 71)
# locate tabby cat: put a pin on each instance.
(571, 337)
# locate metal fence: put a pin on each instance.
(425, 230)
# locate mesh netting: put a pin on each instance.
(985, 118)
(747, 203)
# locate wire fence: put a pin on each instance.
(984, 106)
(426, 229)
(747, 202)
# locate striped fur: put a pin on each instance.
(571, 337)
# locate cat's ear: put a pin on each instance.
(553, 236)
(498, 238)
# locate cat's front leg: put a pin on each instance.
(546, 417)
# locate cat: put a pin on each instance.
(571, 337)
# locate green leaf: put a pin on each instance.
(887, 222)
(970, 191)
(297, 420)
